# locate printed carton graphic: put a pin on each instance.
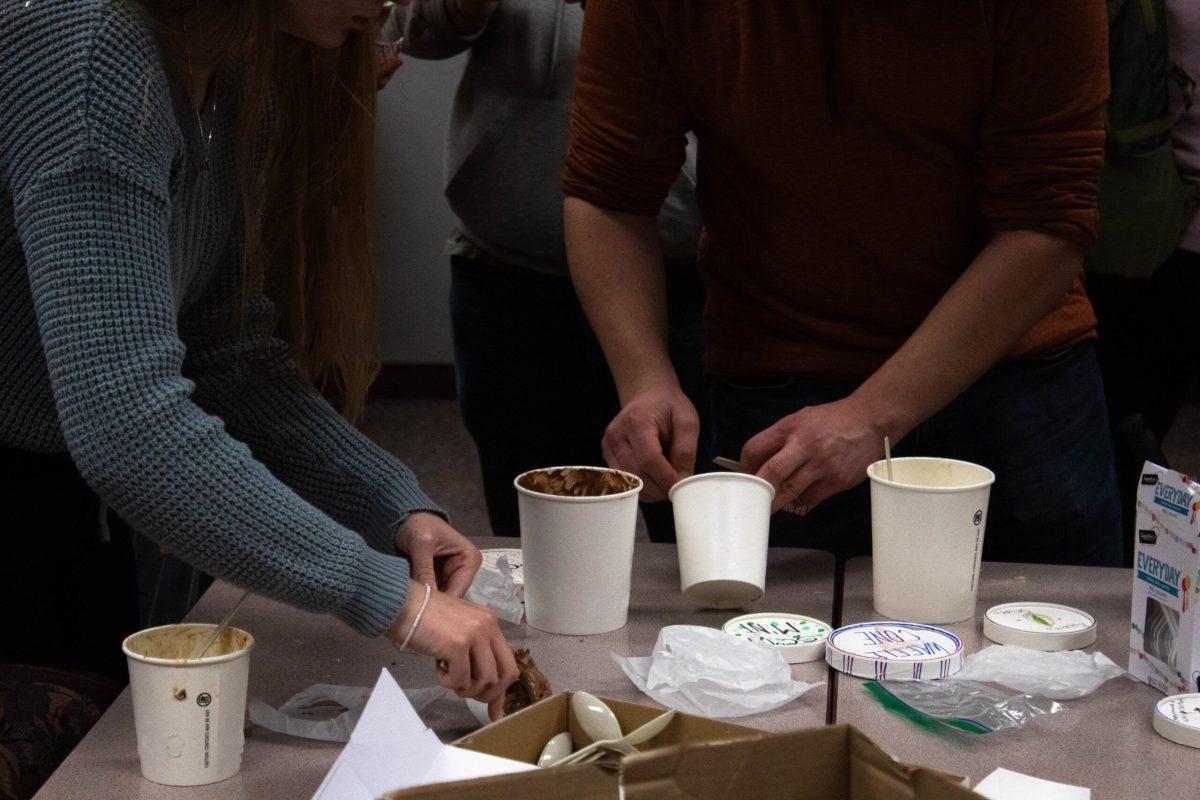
(1164, 640)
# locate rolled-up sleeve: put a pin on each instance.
(629, 120)
(1042, 134)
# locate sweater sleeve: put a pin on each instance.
(96, 242)
(629, 121)
(429, 31)
(247, 378)
(1042, 134)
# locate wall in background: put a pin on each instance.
(412, 218)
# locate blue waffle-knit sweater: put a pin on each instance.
(120, 262)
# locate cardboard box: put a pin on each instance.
(694, 758)
(1164, 638)
(521, 737)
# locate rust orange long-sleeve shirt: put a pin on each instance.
(854, 156)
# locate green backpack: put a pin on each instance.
(1145, 205)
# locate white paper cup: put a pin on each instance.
(578, 554)
(188, 715)
(722, 525)
(927, 527)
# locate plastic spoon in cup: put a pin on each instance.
(216, 634)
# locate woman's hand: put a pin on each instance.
(386, 68)
(473, 658)
(390, 39)
(440, 556)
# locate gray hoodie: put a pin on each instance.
(509, 130)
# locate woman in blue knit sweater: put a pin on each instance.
(165, 168)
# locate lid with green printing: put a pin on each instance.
(1040, 626)
(798, 638)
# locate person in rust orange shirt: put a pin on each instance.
(896, 198)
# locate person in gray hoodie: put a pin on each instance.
(533, 385)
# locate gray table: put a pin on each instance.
(295, 649)
(1103, 741)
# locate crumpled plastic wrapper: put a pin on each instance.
(708, 673)
(496, 589)
(1065, 675)
(329, 713)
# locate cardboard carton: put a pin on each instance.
(1164, 638)
(693, 758)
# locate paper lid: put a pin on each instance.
(797, 637)
(1178, 718)
(516, 562)
(1040, 626)
(894, 651)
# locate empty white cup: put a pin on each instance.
(722, 525)
(188, 714)
(927, 526)
(578, 552)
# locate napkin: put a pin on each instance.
(1005, 784)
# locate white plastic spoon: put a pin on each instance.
(594, 751)
(626, 744)
(596, 719)
(558, 748)
(648, 731)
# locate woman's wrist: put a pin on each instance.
(416, 623)
(404, 623)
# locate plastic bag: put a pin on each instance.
(1065, 675)
(966, 706)
(497, 589)
(708, 673)
(329, 713)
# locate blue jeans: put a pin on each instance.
(533, 385)
(1039, 423)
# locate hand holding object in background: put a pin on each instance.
(815, 453)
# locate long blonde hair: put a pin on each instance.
(308, 210)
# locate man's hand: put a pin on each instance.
(440, 555)
(472, 657)
(653, 423)
(815, 453)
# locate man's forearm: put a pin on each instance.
(617, 268)
(1015, 281)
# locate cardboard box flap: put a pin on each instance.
(580, 782)
(827, 763)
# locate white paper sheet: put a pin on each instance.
(1004, 784)
(391, 749)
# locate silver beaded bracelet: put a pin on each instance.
(417, 619)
